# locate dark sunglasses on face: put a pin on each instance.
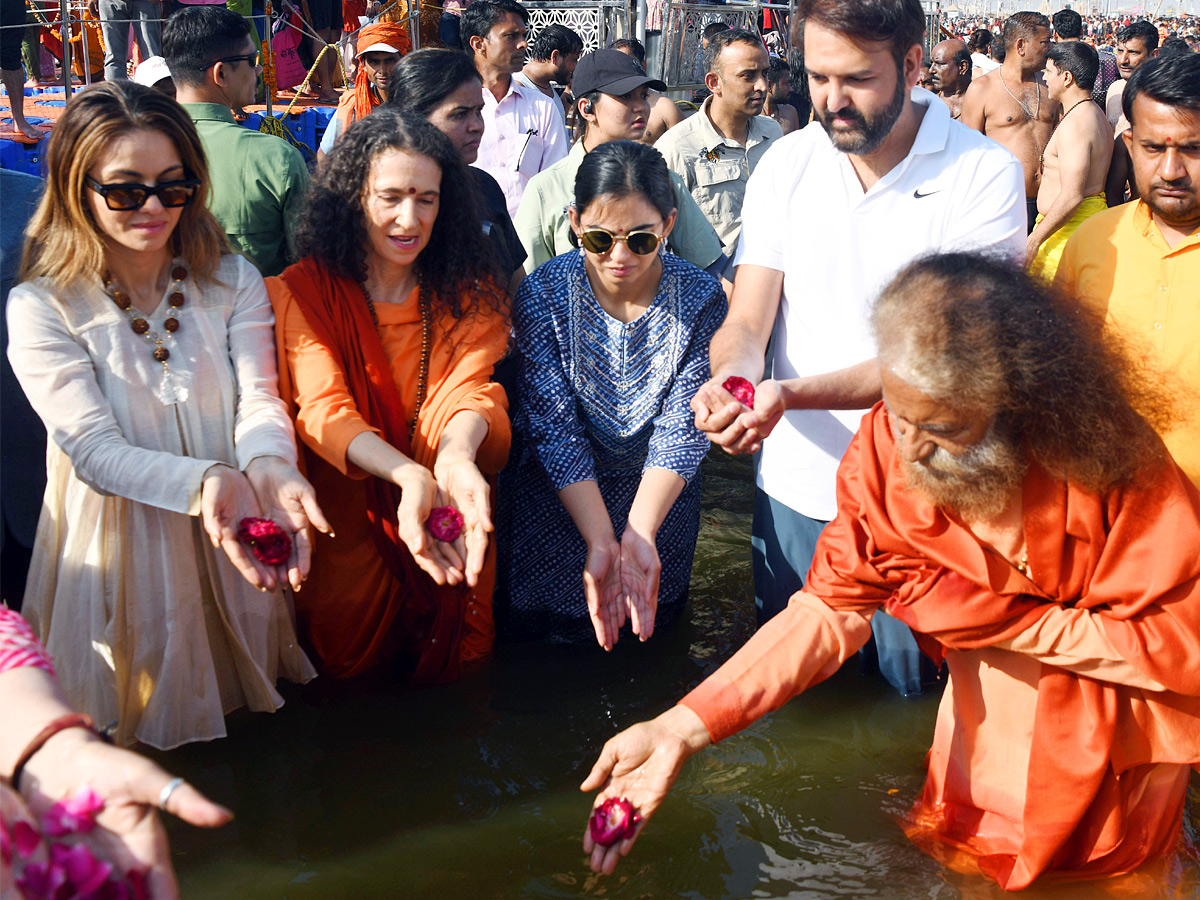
(597, 240)
(251, 58)
(124, 196)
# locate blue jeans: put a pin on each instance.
(782, 544)
(115, 16)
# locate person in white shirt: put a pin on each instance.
(553, 55)
(979, 43)
(831, 213)
(522, 132)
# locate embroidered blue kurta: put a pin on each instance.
(600, 400)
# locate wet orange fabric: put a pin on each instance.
(1034, 769)
(354, 610)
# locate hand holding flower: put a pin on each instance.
(286, 498)
(460, 479)
(639, 765)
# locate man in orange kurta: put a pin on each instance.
(352, 609)
(1071, 719)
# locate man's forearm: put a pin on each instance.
(737, 350)
(856, 387)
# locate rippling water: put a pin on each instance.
(470, 790)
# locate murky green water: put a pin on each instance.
(471, 790)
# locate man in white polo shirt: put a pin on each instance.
(522, 133)
(831, 213)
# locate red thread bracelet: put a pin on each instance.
(62, 723)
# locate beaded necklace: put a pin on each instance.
(169, 391)
(423, 374)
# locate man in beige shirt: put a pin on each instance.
(715, 150)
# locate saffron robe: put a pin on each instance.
(1072, 714)
(352, 597)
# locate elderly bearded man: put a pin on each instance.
(1011, 502)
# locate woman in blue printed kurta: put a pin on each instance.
(600, 504)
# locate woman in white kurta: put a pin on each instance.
(157, 618)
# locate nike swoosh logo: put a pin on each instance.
(918, 195)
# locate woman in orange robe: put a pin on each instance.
(388, 330)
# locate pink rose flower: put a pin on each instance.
(270, 543)
(445, 523)
(25, 839)
(84, 872)
(613, 820)
(41, 881)
(742, 390)
(75, 815)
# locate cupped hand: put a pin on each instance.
(226, 498)
(640, 764)
(602, 590)
(729, 424)
(460, 479)
(286, 497)
(640, 571)
(419, 494)
(129, 833)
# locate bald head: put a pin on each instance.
(950, 67)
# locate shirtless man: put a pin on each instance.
(950, 72)
(778, 88)
(663, 111)
(1010, 104)
(1076, 158)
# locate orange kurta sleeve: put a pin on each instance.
(800, 647)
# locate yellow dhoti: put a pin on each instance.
(1045, 264)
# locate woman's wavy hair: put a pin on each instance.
(979, 333)
(457, 265)
(63, 241)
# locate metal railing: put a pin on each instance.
(597, 22)
(683, 27)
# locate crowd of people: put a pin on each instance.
(455, 386)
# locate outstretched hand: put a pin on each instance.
(419, 494)
(129, 834)
(226, 498)
(460, 480)
(640, 764)
(640, 572)
(603, 591)
(732, 425)
(286, 497)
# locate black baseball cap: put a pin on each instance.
(611, 72)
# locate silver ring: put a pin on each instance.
(168, 789)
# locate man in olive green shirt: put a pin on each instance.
(612, 89)
(257, 181)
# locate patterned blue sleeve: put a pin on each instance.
(676, 444)
(547, 401)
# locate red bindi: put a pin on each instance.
(412, 190)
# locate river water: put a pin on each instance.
(372, 790)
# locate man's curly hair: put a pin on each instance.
(457, 267)
(979, 333)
